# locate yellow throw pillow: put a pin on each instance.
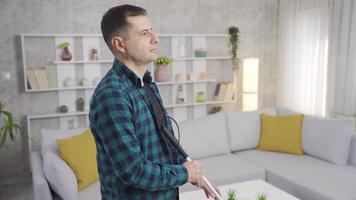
(80, 154)
(281, 134)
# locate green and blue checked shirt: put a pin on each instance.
(131, 161)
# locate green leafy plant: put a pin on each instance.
(234, 45)
(261, 196)
(214, 109)
(63, 45)
(9, 127)
(163, 60)
(231, 194)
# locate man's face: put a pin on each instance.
(140, 41)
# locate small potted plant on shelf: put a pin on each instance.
(201, 52)
(9, 127)
(66, 54)
(162, 72)
(231, 194)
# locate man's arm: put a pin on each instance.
(113, 119)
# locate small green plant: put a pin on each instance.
(261, 196)
(63, 45)
(231, 194)
(9, 127)
(234, 45)
(214, 109)
(163, 60)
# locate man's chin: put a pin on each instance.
(154, 57)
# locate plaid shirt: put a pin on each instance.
(131, 161)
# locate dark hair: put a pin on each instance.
(114, 20)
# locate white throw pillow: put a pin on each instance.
(243, 128)
(327, 139)
(204, 137)
(60, 176)
(50, 136)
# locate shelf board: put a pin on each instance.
(83, 62)
(39, 116)
(93, 87)
(205, 58)
(199, 104)
(111, 61)
(100, 35)
(60, 89)
(43, 116)
(185, 82)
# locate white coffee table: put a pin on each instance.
(245, 191)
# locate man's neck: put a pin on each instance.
(139, 70)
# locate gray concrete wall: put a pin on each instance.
(257, 20)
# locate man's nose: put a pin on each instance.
(155, 38)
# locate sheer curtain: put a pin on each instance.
(303, 55)
(341, 93)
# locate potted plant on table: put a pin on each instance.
(162, 72)
(231, 195)
(261, 196)
(9, 127)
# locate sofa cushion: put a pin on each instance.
(60, 176)
(227, 169)
(352, 157)
(327, 139)
(243, 128)
(304, 176)
(80, 153)
(50, 136)
(281, 133)
(204, 137)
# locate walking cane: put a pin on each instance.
(174, 142)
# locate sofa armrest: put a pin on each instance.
(352, 157)
(40, 185)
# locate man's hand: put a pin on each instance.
(195, 172)
(195, 176)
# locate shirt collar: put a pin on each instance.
(120, 68)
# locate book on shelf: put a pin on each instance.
(39, 79)
(224, 92)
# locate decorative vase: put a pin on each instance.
(68, 82)
(66, 55)
(161, 73)
(85, 82)
(180, 96)
(80, 104)
(63, 109)
(200, 98)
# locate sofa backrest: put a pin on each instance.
(327, 139)
(243, 128)
(352, 158)
(204, 137)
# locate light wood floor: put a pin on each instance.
(22, 191)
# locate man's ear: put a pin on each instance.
(118, 45)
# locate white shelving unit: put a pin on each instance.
(91, 69)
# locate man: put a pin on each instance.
(134, 159)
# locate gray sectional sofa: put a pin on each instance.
(225, 143)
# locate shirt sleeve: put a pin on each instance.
(114, 123)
